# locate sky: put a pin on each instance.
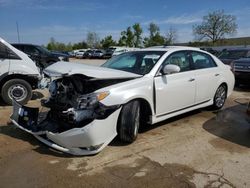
(70, 20)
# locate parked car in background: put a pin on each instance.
(212, 51)
(120, 50)
(241, 69)
(227, 56)
(98, 54)
(41, 55)
(89, 105)
(62, 55)
(108, 53)
(80, 53)
(89, 53)
(18, 74)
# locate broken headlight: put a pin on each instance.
(91, 100)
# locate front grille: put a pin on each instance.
(242, 67)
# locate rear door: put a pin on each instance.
(207, 76)
(176, 91)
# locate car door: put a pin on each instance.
(176, 91)
(207, 76)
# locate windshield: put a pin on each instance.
(233, 54)
(139, 62)
(43, 50)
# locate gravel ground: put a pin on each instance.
(198, 149)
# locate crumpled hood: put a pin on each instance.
(67, 68)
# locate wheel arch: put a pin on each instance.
(145, 105)
(225, 84)
(32, 80)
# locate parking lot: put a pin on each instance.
(202, 148)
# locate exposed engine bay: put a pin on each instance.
(72, 104)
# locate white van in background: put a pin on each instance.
(18, 74)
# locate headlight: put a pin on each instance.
(91, 100)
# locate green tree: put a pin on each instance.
(215, 26)
(137, 35)
(129, 37)
(155, 38)
(58, 46)
(107, 42)
(123, 38)
(80, 45)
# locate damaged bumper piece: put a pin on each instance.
(85, 136)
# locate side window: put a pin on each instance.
(202, 61)
(3, 51)
(6, 53)
(180, 59)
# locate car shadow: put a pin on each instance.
(231, 124)
(2, 103)
(11, 131)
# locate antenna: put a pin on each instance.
(17, 29)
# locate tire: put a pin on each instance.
(129, 122)
(220, 97)
(18, 89)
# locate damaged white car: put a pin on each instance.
(90, 106)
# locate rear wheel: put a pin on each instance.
(18, 89)
(129, 122)
(220, 97)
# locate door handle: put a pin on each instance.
(217, 74)
(191, 80)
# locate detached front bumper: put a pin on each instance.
(88, 140)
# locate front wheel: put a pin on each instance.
(18, 89)
(220, 97)
(129, 122)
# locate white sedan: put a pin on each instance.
(89, 106)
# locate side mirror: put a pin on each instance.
(170, 69)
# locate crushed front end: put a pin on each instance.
(76, 121)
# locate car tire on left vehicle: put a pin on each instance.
(16, 88)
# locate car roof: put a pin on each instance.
(170, 48)
(238, 49)
(23, 44)
(166, 48)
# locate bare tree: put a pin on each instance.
(93, 40)
(216, 25)
(171, 36)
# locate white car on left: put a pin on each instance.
(18, 74)
(89, 106)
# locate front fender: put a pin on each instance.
(140, 88)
